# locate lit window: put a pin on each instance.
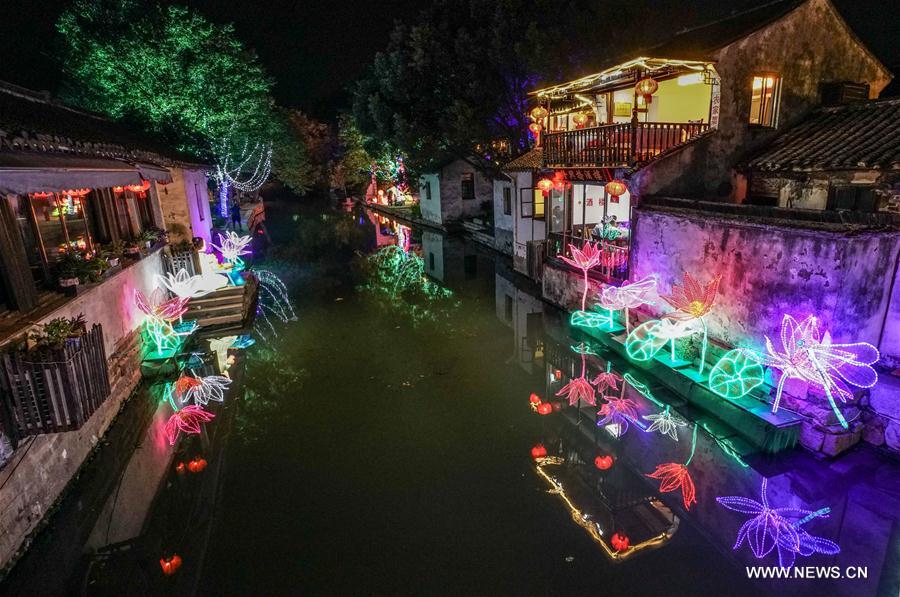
(764, 96)
(538, 204)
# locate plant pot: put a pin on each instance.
(113, 261)
(68, 282)
(148, 244)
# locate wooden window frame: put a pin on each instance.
(763, 122)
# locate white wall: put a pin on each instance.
(430, 208)
(501, 220)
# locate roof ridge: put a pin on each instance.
(44, 97)
(732, 16)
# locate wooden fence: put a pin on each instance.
(52, 390)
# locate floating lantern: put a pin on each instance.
(580, 119)
(544, 408)
(615, 189)
(170, 565)
(179, 468)
(545, 184)
(620, 542)
(534, 399)
(196, 465)
(539, 113)
(604, 463)
(645, 88)
(538, 451)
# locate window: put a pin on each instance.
(427, 190)
(467, 186)
(508, 307)
(507, 201)
(538, 204)
(765, 93)
(853, 198)
(199, 202)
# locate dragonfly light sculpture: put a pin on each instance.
(811, 356)
(628, 296)
(778, 528)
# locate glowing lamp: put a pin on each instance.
(76, 192)
(545, 408)
(539, 113)
(179, 468)
(615, 189)
(41, 195)
(138, 188)
(620, 542)
(580, 119)
(196, 465)
(534, 399)
(545, 184)
(170, 565)
(118, 190)
(539, 451)
(604, 463)
(646, 87)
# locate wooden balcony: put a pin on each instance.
(616, 145)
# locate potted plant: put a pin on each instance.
(148, 237)
(93, 269)
(56, 332)
(132, 249)
(113, 252)
(67, 271)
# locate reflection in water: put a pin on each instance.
(273, 301)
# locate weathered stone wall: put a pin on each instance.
(810, 190)
(453, 207)
(807, 47)
(503, 223)
(185, 205)
(42, 466)
(430, 203)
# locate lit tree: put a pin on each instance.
(245, 169)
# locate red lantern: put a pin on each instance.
(538, 451)
(539, 113)
(118, 190)
(534, 399)
(545, 184)
(646, 87)
(604, 463)
(615, 189)
(179, 468)
(41, 195)
(76, 192)
(545, 408)
(138, 188)
(170, 565)
(580, 119)
(196, 465)
(620, 542)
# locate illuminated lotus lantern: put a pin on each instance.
(692, 302)
(160, 316)
(675, 476)
(647, 339)
(628, 296)
(184, 285)
(736, 374)
(618, 413)
(188, 420)
(811, 356)
(232, 246)
(585, 259)
(579, 388)
(615, 189)
(778, 529)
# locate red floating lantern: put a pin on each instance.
(196, 465)
(604, 463)
(620, 542)
(179, 468)
(545, 408)
(645, 88)
(170, 565)
(538, 451)
(545, 184)
(615, 189)
(534, 399)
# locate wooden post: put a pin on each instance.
(15, 272)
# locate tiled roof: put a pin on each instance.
(30, 121)
(859, 136)
(531, 160)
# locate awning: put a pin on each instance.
(31, 172)
(148, 171)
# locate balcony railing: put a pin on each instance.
(613, 260)
(613, 145)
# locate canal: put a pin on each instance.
(379, 439)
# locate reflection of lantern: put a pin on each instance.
(545, 408)
(604, 463)
(580, 119)
(534, 399)
(646, 87)
(538, 451)
(539, 113)
(118, 190)
(615, 189)
(545, 184)
(170, 565)
(196, 465)
(620, 542)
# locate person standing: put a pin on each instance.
(236, 216)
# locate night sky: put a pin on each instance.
(315, 49)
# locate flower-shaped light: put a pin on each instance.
(628, 296)
(155, 307)
(584, 259)
(211, 387)
(186, 420)
(673, 476)
(666, 423)
(812, 357)
(778, 528)
(692, 300)
(607, 380)
(618, 411)
(232, 246)
(577, 389)
(184, 285)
